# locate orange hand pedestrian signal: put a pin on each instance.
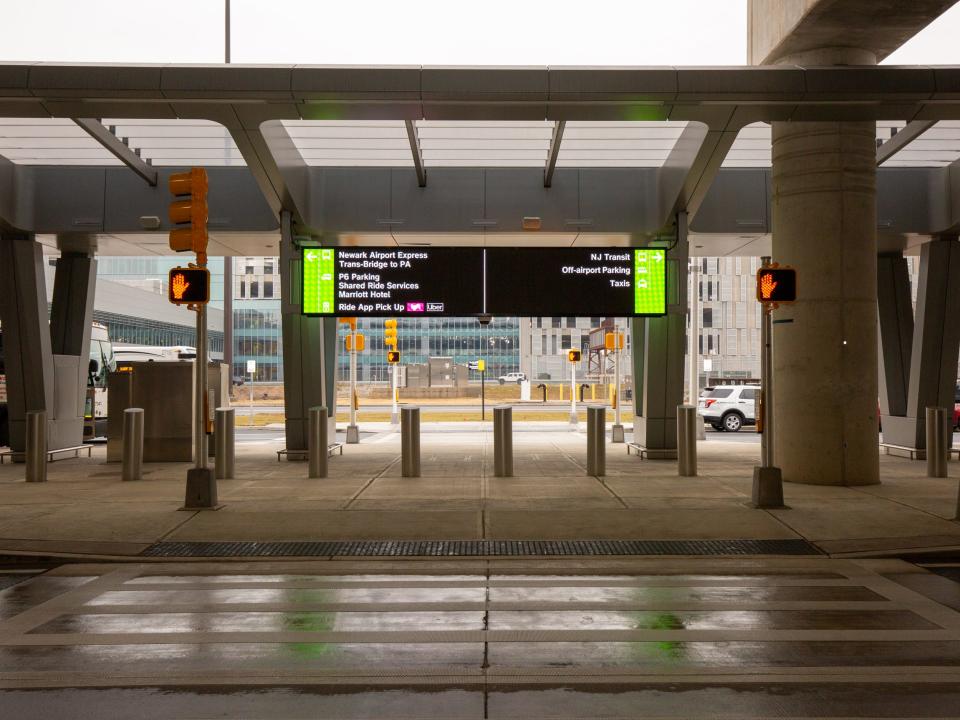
(776, 285)
(767, 285)
(188, 286)
(178, 286)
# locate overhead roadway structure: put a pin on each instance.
(453, 155)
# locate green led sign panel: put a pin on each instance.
(649, 281)
(318, 281)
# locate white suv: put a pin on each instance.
(513, 377)
(730, 407)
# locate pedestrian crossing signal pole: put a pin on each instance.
(775, 285)
(188, 215)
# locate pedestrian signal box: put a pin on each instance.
(776, 285)
(188, 286)
(573, 356)
(393, 356)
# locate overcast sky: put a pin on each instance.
(427, 32)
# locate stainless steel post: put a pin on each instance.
(503, 441)
(687, 440)
(937, 442)
(410, 442)
(132, 444)
(317, 442)
(36, 446)
(224, 463)
(596, 440)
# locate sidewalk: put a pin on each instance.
(86, 509)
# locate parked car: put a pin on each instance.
(512, 377)
(729, 407)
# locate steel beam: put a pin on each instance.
(120, 150)
(904, 137)
(417, 152)
(554, 152)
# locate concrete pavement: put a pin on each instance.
(86, 508)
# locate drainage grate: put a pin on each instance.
(479, 548)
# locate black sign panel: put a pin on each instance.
(392, 281)
(444, 281)
(533, 282)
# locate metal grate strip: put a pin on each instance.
(479, 548)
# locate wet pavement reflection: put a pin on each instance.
(827, 639)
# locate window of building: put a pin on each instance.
(555, 322)
(254, 289)
(268, 267)
(248, 270)
(571, 322)
(707, 317)
(268, 288)
(243, 289)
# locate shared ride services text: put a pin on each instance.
(458, 281)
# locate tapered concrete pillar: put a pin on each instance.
(309, 350)
(825, 358)
(657, 346)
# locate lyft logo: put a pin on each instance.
(413, 307)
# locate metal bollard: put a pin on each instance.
(687, 440)
(36, 449)
(318, 446)
(224, 464)
(596, 440)
(410, 442)
(503, 441)
(132, 444)
(938, 442)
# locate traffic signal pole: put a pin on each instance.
(394, 413)
(573, 393)
(767, 479)
(353, 432)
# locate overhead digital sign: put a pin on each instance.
(606, 282)
(387, 281)
(464, 281)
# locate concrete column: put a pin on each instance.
(895, 311)
(825, 360)
(658, 360)
(28, 358)
(309, 350)
(71, 316)
(933, 341)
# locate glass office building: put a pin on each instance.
(256, 318)
(462, 338)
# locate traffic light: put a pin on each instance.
(776, 285)
(613, 341)
(390, 333)
(573, 356)
(188, 286)
(393, 356)
(356, 342)
(189, 212)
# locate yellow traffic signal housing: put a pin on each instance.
(613, 341)
(189, 212)
(776, 285)
(356, 342)
(390, 333)
(393, 356)
(189, 286)
(573, 356)
(481, 365)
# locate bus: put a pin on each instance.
(101, 364)
(149, 353)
